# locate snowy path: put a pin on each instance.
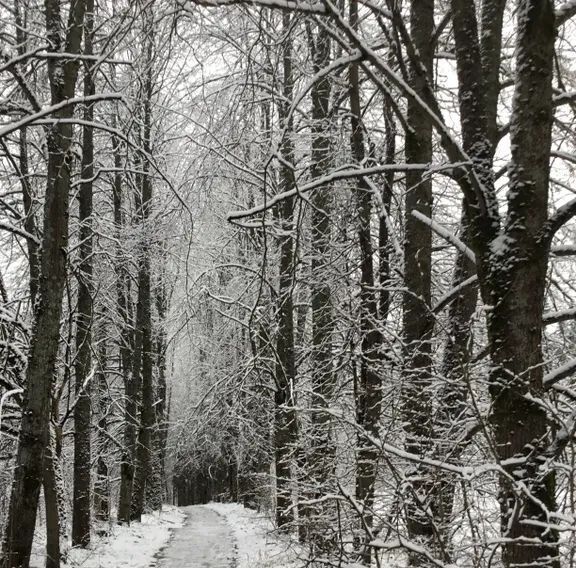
(205, 541)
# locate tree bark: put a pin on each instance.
(102, 481)
(418, 321)
(368, 389)
(515, 288)
(156, 493)
(33, 439)
(128, 352)
(285, 420)
(147, 426)
(512, 266)
(56, 541)
(320, 463)
(82, 411)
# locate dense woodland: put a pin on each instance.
(314, 256)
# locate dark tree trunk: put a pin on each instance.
(515, 287)
(484, 54)
(368, 389)
(233, 479)
(129, 353)
(145, 446)
(143, 371)
(29, 218)
(320, 463)
(102, 481)
(157, 490)
(383, 224)
(54, 498)
(82, 410)
(418, 322)
(285, 420)
(147, 426)
(33, 439)
(512, 265)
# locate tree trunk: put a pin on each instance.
(512, 264)
(368, 389)
(156, 492)
(418, 321)
(33, 439)
(147, 427)
(515, 288)
(285, 420)
(144, 450)
(102, 482)
(480, 61)
(82, 410)
(129, 352)
(56, 541)
(316, 519)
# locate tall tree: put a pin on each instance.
(512, 261)
(321, 454)
(82, 410)
(157, 491)
(102, 480)
(144, 371)
(368, 388)
(285, 421)
(418, 320)
(33, 438)
(127, 345)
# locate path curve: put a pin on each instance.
(205, 541)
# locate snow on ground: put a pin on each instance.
(133, 546)
(257, 544)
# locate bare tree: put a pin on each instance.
(82, 411)
(33, 440)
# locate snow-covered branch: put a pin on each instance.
(13, 126)
(444, 300)
(559, 316)
(445, 234)
(344, 173)
(565, 11)
(563, 250)
(293, 6)
(19, 232)
(559, 373)
(4, 398)
(562, 215)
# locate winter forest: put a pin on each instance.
(306, 262)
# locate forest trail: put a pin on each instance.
(205, 541)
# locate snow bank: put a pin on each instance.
(257, 544)
(133, 546)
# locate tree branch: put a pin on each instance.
(564, 12)
(558, 220)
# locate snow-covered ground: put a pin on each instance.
(257, 545)
(133, 546)
(251, 536)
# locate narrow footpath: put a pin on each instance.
(205, 541)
